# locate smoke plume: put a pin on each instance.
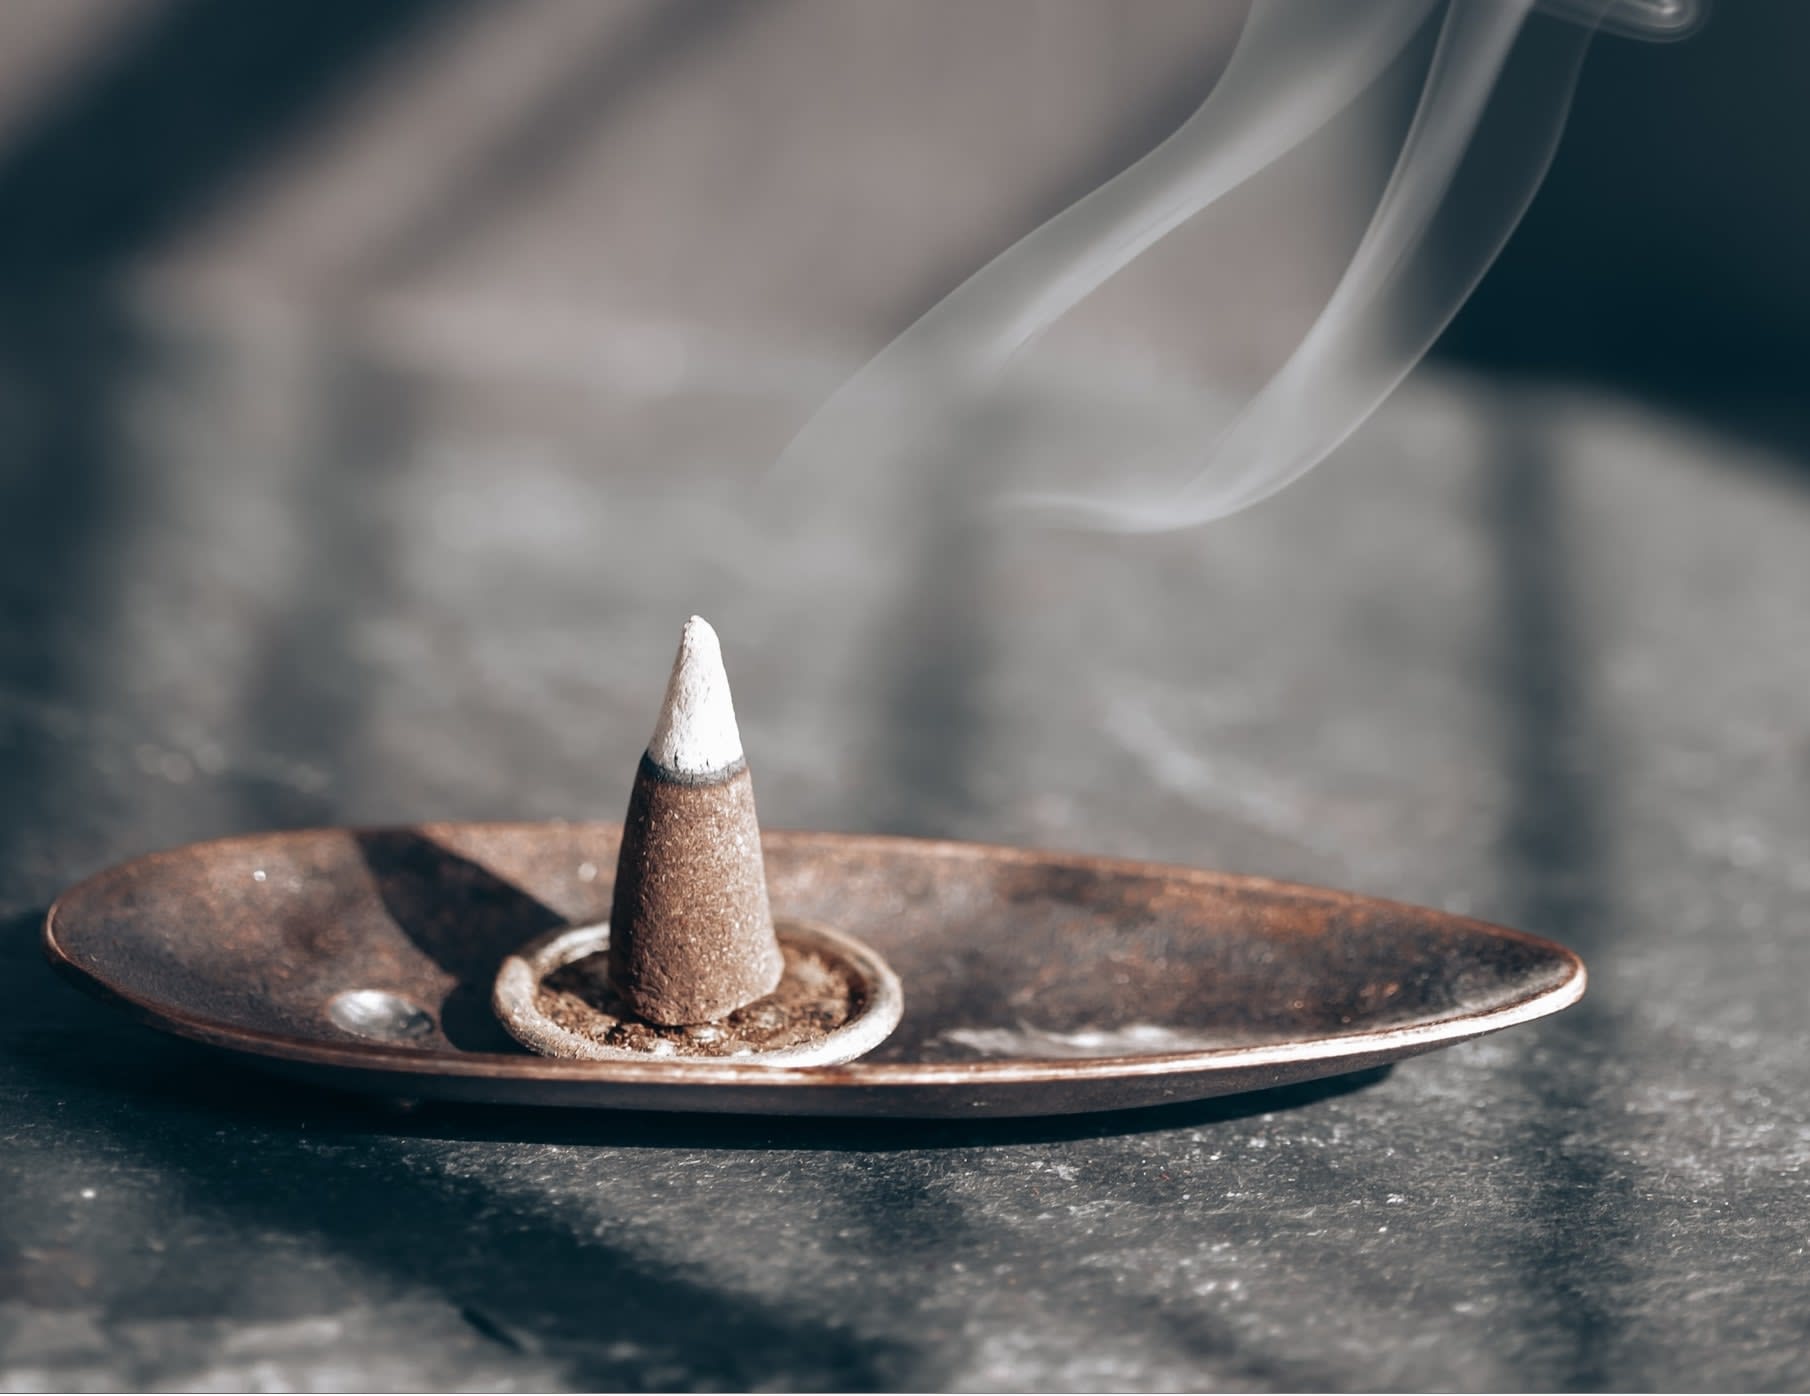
(1491, 105)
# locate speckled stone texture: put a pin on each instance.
(691, 932)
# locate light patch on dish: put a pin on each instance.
(1131, 1040)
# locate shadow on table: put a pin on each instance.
(656, 1129)
(648, 1129)
(1555, 854)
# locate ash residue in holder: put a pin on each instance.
(816, 995)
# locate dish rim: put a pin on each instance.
(1399, 1040)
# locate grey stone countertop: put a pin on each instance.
(1534, 655)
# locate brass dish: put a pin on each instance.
(1034, 983)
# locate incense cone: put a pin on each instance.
(691, 933)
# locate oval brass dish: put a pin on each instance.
(1035, 983)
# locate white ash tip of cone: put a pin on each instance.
(696, 734)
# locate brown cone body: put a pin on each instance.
(691, 932)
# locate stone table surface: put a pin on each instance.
(1530, 654)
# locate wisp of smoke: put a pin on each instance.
(1298, 65)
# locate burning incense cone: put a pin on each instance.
(691, 936)
(691, 965)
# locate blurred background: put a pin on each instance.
(382, 384)
(361, 314)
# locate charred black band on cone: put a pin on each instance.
(691, 931)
